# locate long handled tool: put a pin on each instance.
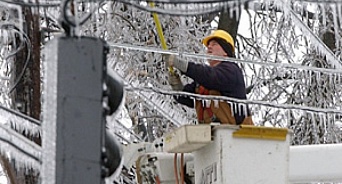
(160, 33)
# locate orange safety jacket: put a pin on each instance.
(208, 111)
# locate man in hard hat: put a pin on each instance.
(219, 78)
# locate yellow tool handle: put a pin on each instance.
(160, 33)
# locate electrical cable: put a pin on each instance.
(138, 169)
(188, 1)
(188, 12)
(16, 113)
(11, 144)
(153, 104)
(286, 66)
(320, 1)
(9, 141)
(157, 180)
(182, 168)
(28, 46)
(128, 130)
(237, 101)
(16, 30)
(217, 1)
(122, 137)
(31, 4)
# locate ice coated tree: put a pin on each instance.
(289, 51)
(275, 33)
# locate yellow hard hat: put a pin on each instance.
(219, 34)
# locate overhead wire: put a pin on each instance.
(234, 101)
(23, 116)
(187, 1)
(320, 1)
(153, 104)
(122, 137)
(18, 148)
(224, 59)
(6, 137)
(186, 11)
(237, 101)
(30, 4)
(128, 130)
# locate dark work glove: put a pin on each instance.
(175, 81)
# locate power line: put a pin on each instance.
(183, 8)
(20, 115)
(20, 143)
(201, 56)
(31, 4)
(237, 101)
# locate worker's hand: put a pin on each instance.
(175, 81)
(173, 61)
(168, 59)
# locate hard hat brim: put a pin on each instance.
(208, 38)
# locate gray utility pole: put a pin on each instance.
(73, 114)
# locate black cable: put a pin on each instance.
(28, 46)
(31, 4)
(21, 46)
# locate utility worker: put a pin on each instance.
(219, 78)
